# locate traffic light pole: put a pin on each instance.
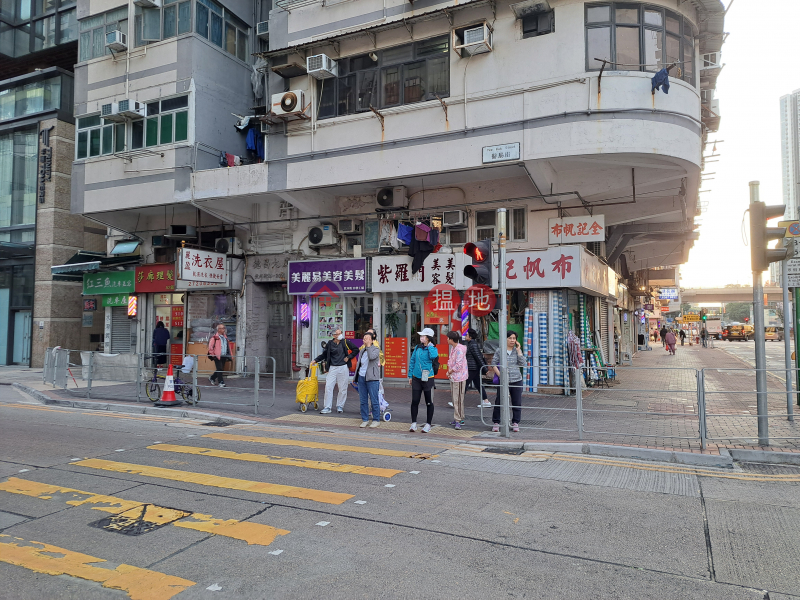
(787, 344)
(758, 334)
(501, 279)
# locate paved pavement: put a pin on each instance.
(108, 505)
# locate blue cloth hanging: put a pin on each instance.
(251, 139)
(405, 233)
(661, 81)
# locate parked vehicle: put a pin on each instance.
(773, 333)
(714, 327)
(743, 333)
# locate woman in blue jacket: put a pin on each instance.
(421, 377)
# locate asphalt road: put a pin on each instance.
(746, 352)
(108, 505)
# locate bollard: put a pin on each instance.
(89, 381)
(701, 408)
(255, 384)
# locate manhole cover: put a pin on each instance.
(217, 424)
(140, 520)
(512, 451)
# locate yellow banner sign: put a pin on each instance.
(689, 318)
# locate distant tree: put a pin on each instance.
(686, 307)
(737, 311)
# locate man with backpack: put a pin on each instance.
(336, 355)
(424, 364)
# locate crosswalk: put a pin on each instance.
(131, 513)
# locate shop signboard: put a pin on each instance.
(569, 230)
(557, 267)
(393, 273)
(177, 316)
(396, 354)
(90, 304)
(176, 358)
(202, 265)
(115, 300)
(155, 278)
(113, 282)
(270, 267)
(327, 277)
(668, 294)
(649, 306)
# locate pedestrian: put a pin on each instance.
(663, 333)
(670, 341)
(458, 374)
(160, 338)
(514, 361)
(219, 351)
(368, 379)
(475, 365)
(704, 337)
(682, 335)
(420, 369)
(336, 355)
(374, 343)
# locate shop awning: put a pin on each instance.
(88, 262)
(87, 267)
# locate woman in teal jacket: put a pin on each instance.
(421, 377)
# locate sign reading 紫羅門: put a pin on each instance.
(328, 277)
(113, 282)
(201, 265)
(155, 278)
(668, 294)
(393, 273)
(568, 230)
(500, 153)
(558, 267)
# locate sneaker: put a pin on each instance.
(450, 404)
(426, 428)
(458, 425)
(325, 411)
(515, 427)
(364, 424)
(221, 385)
(339, 409)
(211, 381)
(485, 404)
(462, 421)
(496, 427)
(374, 423)
(453, 422)
(413, 427)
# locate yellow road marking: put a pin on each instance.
(139, 584)
(257, 487)
(252, 533)
(317, 445)
(426, 441)
(98, 413)
(278, 460)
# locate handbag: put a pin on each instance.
(496, 380)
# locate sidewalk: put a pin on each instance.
(652, 404)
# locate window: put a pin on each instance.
(639, 38)
(92, 41)
(486, 222)
(167, 122)
(392, 77)
(98, 137)
(219, 26)
(30, 98)
(538, 24)
(177, 18)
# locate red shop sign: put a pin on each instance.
(155, 278)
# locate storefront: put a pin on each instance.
(115, 288)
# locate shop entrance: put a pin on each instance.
(22, 338)
(279, 333)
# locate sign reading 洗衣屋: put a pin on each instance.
(201, 265)
(668, 294)
(393, 273)
(568, 230)
(113, 282)
(115, 300)
(270, 267)
(500, 153)
(558, 267)
(342, 276)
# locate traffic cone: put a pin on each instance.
(168, 395)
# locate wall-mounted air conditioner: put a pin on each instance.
(148, 3)
(288, 103)
(391, 197)
(454, 218)
(160, 241)
(131, 109)
(472, 40)
(182, 232)
(110, 112)
(228, 245)
(323, 235)
(321, 66)
(116, 41)
(262, 30)
(349, 226)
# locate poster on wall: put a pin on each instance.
(396, 354)
(177, 316)
(198, 308)
(444, 353)
(176, 354)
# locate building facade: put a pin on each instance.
(790, 165)
(306, 139)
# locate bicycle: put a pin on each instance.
(185, 389)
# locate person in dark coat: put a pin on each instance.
(663, 333)
(682, 335)
(160, 338)
(475, 362)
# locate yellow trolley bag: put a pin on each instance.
(308, 390)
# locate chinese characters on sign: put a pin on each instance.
(177, 316)
(568, 230)
(793, 271)
(115, 300)
(396, 353)
(155, 278)
(201, 265)
(668, 294)
(557, 267)
(90, 304)
(270, 267)
(115, 282)
(492, 154)
(393, 273)
(329, 277)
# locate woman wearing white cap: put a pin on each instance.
(421, 377)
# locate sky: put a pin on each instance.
(759, 68)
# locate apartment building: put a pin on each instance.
(790, 165)
(308, 138)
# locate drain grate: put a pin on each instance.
(141, 519)
(217, 424)
(512, 451)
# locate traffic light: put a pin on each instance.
(703, 314)
(747, 319)
(480, 271)
(761, 235)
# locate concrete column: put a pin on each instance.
(377, 316)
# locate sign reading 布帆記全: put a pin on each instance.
(113, 282)
(201, 265)
(568, 230)
(342, 276)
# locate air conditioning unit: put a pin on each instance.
(349, 226)
(323, 235)
(321, 66)
(130, 109)
(262, 30)
(391, 197)
(110, 112)
(454, 218)
(160, 241)
(148, 3)
(473, 40)
(229, 245)
(116, 41)
(288, 103)
(182, 232)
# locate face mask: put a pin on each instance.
(340, 336)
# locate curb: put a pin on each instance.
(125, 408)
(764, 456)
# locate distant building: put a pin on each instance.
(790, 165)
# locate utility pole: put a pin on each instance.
(787, 318)
(501, 278)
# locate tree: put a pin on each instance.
(686, 307)
(737, 311)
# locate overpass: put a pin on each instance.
(739, 294)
